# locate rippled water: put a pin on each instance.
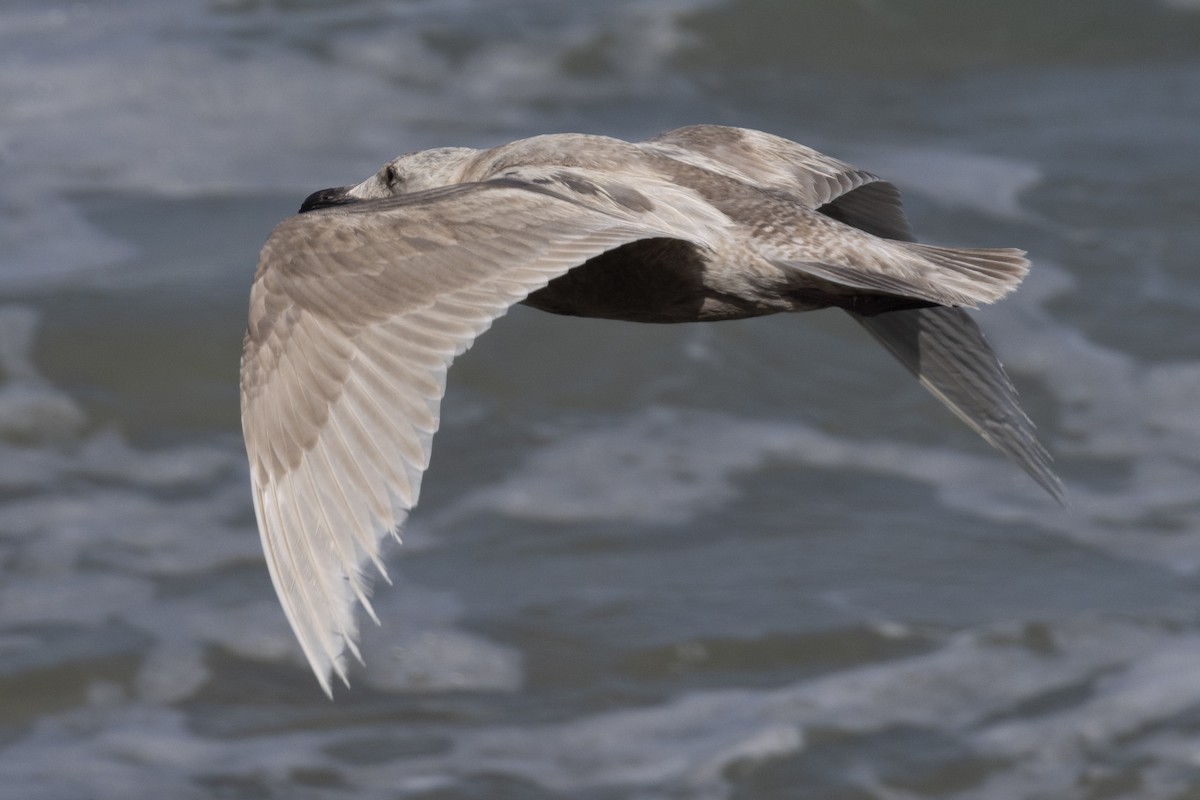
(747, 560)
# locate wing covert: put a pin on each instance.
(846, 193)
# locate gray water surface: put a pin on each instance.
(746, 560)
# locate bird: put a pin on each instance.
(361, 301)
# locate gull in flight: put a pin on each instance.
(361, 301)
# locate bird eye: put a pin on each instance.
(391, 176)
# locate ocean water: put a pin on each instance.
(747, 560)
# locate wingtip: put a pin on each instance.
(324, 682)
(325, 677)
(1055, 488)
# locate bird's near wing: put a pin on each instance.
(355, 315)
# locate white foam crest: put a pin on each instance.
(622, 47)
(160, 112)
(112, 516)
(1112, 409)
(1073, 746)
(107, 456)
(418, 647)
(987, 184)
(49, 242)
(91, 556)
(54, 537)
(175, 666)
(110, 751)
(171, 674)
(967, 688)
(114, 749)
(43, 597)
(1145, 691)
(985, 688)
(128, 528)
(30, 409)
(121, 100)
(665, 465)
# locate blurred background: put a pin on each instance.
(747, 560)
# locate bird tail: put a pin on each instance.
(985, 273)
(948, 276)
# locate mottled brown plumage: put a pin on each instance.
(360, 304)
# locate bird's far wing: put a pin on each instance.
(850, 195)
(946, 351)
(943, 347)
(355, 315)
